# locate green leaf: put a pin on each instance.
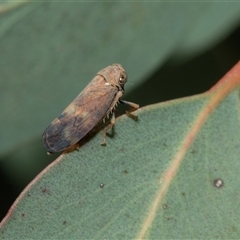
(171, 175)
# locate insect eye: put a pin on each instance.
(122, 80)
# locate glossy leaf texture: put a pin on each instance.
(173, 174)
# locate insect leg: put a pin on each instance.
(111, 124)
(133, 107)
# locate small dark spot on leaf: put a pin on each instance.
(125, 171)
(64, 222)
(183, 194)
(23, 214)
(218, 183)
(45, 191)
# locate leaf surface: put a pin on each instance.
(172, 174)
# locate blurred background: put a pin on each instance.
(50, 51)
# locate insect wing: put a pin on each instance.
(80, 117)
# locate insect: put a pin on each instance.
(94, 104)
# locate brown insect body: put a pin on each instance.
(91, 106)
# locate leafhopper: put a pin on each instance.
(94, 104)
